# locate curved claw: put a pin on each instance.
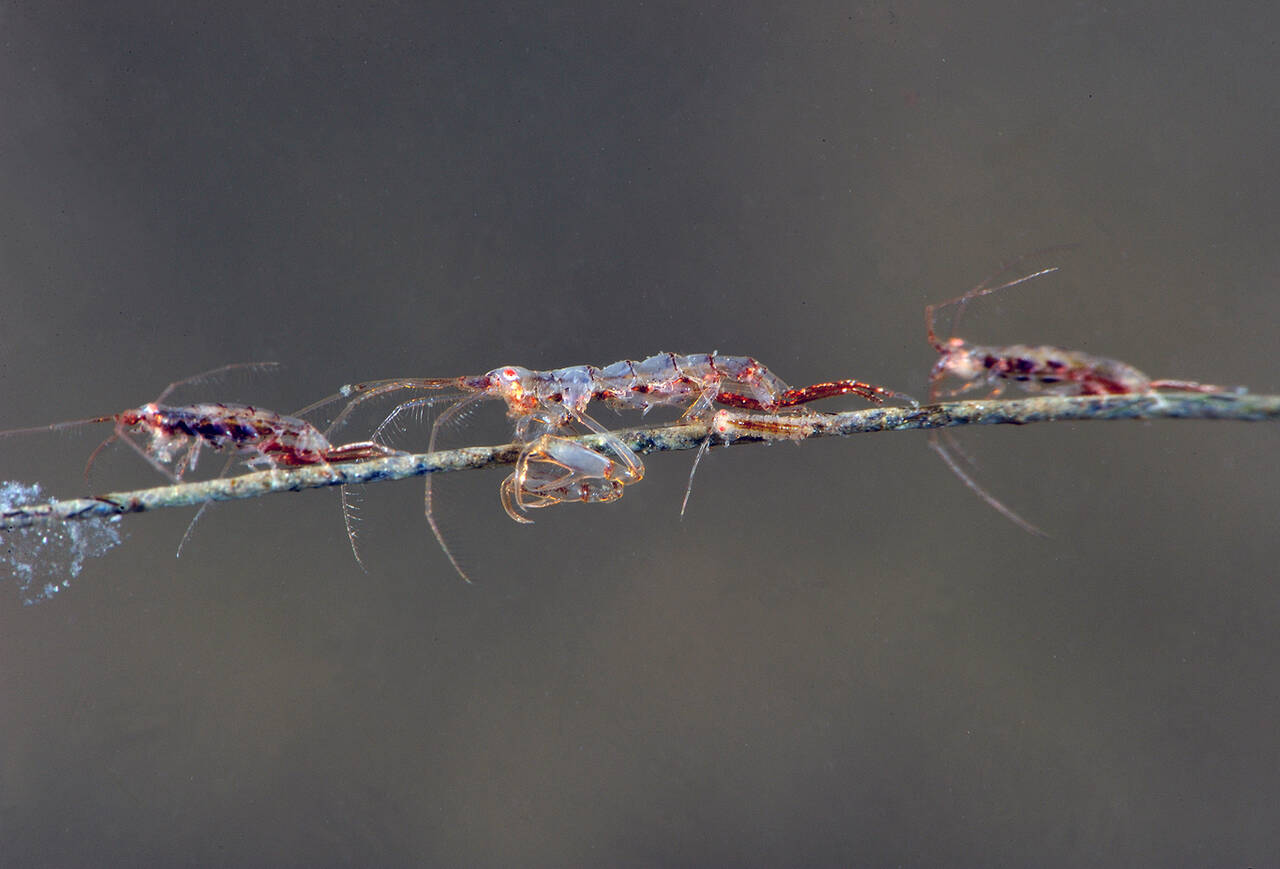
(510, 500)
(556, 470)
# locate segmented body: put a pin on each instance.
(268, 437)
(546, 405)
(175, 434)
(1046, 369)
(665, 379)
(1034, 368)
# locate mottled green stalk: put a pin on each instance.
(742, 428)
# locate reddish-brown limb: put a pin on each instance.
(359, 451)
(806, 394)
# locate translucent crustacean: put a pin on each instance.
(176, 433)
(547, 405)
(1034, 368)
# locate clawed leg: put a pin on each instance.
(555, 470)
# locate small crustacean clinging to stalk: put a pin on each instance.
(547, 406)
(175, 434)
(1034, 368)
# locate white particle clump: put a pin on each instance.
(44, 558)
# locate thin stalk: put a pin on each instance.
(732, 428)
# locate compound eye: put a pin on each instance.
(507, 376)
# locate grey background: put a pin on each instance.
(840, 656)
